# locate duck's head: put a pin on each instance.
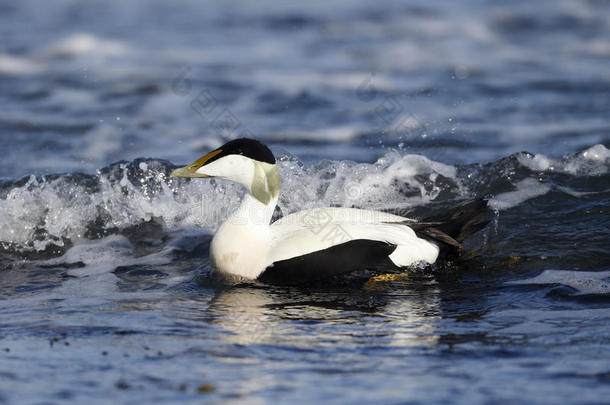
(245, 161)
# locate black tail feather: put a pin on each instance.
(451, 228)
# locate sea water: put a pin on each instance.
(106, 292)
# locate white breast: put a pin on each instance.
(241, 250)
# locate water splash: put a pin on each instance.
(38, 213)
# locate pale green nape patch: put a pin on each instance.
(273, 179)
(266, 182)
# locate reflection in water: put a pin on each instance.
(244, 312)
(395, 315)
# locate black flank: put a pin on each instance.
(339, 259)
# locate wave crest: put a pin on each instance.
(42, 213)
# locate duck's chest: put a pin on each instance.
(240, 250)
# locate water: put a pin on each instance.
(106, 294)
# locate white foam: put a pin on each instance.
(537, 163)
(331, 134)
(14, 65)
(99, 259)
(99, 256)
(380, 185)
(585, 282)
(67, 208)
(577, 194)
(597, 153)
(526, 189)
(592, 162)
(598, 47)
(86, 44)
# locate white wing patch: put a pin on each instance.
(320, 228)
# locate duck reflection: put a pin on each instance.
(381, 311)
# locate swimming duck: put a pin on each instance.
(321, 242)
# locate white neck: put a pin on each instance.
(253, 212)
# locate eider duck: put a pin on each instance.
(321, 242)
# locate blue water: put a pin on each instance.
(106, 294)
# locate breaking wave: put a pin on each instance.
(51, 213)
